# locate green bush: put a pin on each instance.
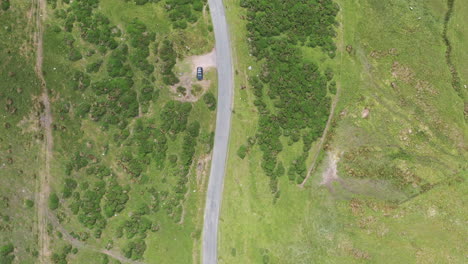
(6, 249)
(135, 249)
(5, 5)
(210, 101)
(29, 203)
(74, 55)
(242, 151)
(53, 201)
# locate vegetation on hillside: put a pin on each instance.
(291, 92)
(123, 148)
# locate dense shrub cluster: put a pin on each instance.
(169, 58)
(140, 39)
(6, 254)
(174, 117)
(183, 11)
(116, 93)
(94, 26)
(61, 258)
(210, 100)
(5, 5)
(53, 201)
(295, 87)
(115, 199)
(90, 208)
(120, 103)
(303, 22)
(135, 249)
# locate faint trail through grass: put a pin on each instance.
(82, 245)
(332, 111)
(46, 123)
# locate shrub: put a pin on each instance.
(6, 249)
(242, 151)
(29, 203)
(5, 5)
(182, 90)
(53, 201)
(210, 101)
(74, 55)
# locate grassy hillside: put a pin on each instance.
(396, 139)
(19, 136)
(131, 131)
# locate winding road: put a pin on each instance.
(223, 126)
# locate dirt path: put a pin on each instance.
(81, 245)
(332, 110)
(43, 188)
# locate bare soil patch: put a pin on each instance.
(330, 174)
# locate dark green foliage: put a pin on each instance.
(94, 66)
(116, 64)
(295, 87)
(332, 87)
(329, 74)
(90, 213)
(53, 201)
(141, 2)
(140, 39)
(29, 203)
(194, 129)
(74, 55)
(115, 199)
(120, 103)
(135, 249)
(80, 80)
(181, 11)
(309, 22)
(136, 225)
(210, 100)
(5, 5)
(6, 256)
(60, 13)
(160, 148)
(139, 35)
(279, 170)
(169, 58)
(99, 171)
(52, 3)
(242, 151)
(61, 258)
(70, 185)
(174, 116)
(182, 90)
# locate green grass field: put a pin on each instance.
(403, 177)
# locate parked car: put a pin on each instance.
(200, 73)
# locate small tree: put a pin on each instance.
(53, 201)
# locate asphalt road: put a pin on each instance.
(223, 125)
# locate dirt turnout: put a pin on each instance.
(187, 79)
(206, 61)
